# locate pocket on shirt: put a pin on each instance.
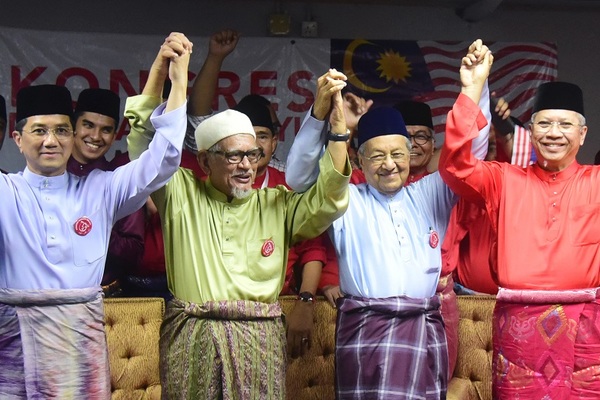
(90, 247)
(264, 268)
(584, 226)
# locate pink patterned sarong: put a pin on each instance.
(53, 345)
(546, 345)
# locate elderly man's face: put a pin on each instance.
(422, 147)
(46, 142)
(386, 163)
(234, 180)
(557, 148)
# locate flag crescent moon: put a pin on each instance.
(352, 77)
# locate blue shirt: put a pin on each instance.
(386, 245)
(39, 244)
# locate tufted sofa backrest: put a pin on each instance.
(132, 333)
(133, 328)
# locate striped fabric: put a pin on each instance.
(393, 348)
(522, 154)
(230, 350)
(546, 349)
(53, 345)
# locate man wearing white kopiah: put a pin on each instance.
(226, 248)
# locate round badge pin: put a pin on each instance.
(434, 239)
(268, 248)
(83, 226)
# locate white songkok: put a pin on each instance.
(224, 124)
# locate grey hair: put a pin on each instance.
(215, 147)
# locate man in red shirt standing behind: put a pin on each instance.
(547, 315)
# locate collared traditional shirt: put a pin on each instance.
(548, 223)
(390, 245)
(54, 231)
(126, 246)
(237, 250)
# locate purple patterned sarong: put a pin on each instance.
(222, 350)
(53, 345)
(392, 348)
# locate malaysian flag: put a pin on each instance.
(389, 71)
(522, 152)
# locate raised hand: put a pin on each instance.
(475, 68)
(223, 43)
(177, 48)
(354, 108)
(328, 84)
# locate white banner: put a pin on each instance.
(284, 70)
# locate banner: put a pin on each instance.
(389, 71)
(284, 70)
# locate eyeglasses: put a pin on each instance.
(380, 158)
(563, 127)
(236, 157)
(421, 138)
(59, 132)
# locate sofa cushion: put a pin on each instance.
(312, 376)
(473, 372)
(132, 333)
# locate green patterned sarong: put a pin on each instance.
(230, 350)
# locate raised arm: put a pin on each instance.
(139, 108)
(465, 120)
(132, 183)
(338, 149)
(203, 91)
(303, 158)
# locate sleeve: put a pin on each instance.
(302, 166)
(132, 183)
(311, 250)
(330, 275)
(480, 143)
(466, 175)
(313, 211)
(138, 110)
(126, 246)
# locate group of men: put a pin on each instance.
(226, 238)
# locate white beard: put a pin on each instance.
(241, 193)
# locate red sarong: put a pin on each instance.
(548, 349)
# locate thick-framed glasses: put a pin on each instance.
(421, 138)
(236, 157)
(563, 126)
(380, 158)
(60, 132)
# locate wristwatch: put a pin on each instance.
(339, 137)
(306, 297)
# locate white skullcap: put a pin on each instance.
(220, 126)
